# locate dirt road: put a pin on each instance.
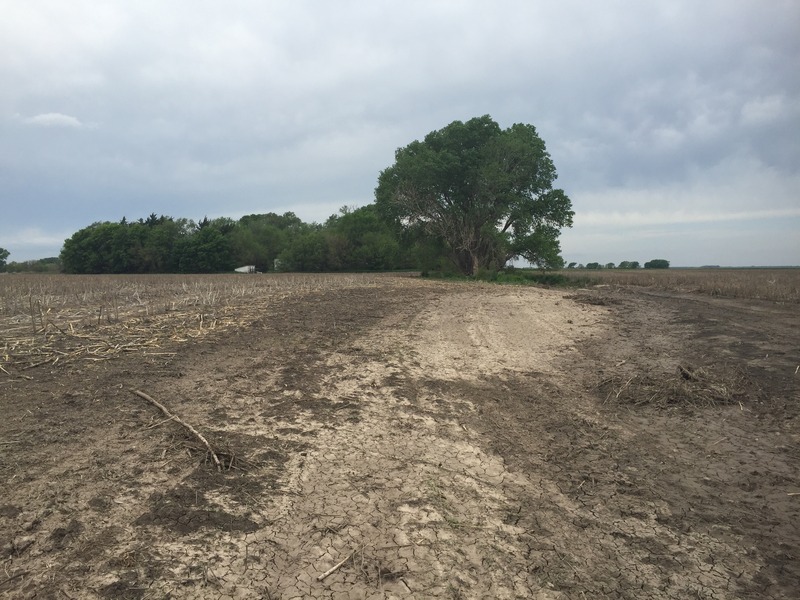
(416, 439)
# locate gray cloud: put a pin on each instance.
(650, 110)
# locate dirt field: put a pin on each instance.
(414, 439)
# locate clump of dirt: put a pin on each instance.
(591, 299)
(686, 387)
(124, 589)
(61, 537)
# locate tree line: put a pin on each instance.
(469, 198)
(352, 240)
(656, 263)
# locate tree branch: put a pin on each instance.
(177, 419)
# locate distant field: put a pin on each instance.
(778, 285)
(47, 319)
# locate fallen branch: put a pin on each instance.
(161, 422)
(13, 577)
(336, 567)
(177, 419)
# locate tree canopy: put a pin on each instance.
(485, 193)
(629, 264)
(166, 245)
(356, 239)
(4, 254)
(657, 263)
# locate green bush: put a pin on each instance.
(657, 263)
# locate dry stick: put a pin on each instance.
(28, 377)
(41, 317)
(34, 365)
(177, 419)
(33, 318)
(13, 577)
(161, 423)
(336, 566)
(627, 383)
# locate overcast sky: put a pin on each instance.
(674, 125)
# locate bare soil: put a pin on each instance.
(427, 440)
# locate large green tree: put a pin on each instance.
(103, 247)
(4, 254)
(150, 246)
(485, 192)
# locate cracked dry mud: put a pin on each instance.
(429, 440)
